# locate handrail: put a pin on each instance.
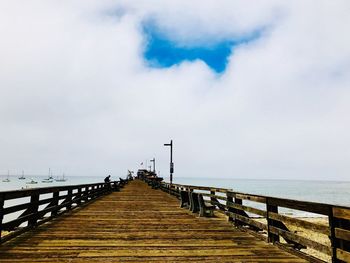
(273, 226)
(30, 213)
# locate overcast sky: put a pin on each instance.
(85, 88)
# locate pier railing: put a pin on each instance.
(21, 210)
(262, 216)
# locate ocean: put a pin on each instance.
(16, 184)
(330, 192)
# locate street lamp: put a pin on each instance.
(171, 161)
(154, 164)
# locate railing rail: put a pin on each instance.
(32, 207)
(263, 215)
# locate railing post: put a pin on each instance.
(69, 199)
(332, 225)
(33, 209)
(238, 201)
(116, 186)
(101, 189)
(93, 190)
(55, 197)
(79, 196)
(270, 222)
(2, 201)
(109, 188)
(97, 190)
(339, 223)
(230, 209)
(85, 194)
(212, 199)
(90, 192)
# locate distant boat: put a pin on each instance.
(32, 181)
(62, 179)
(22, 177)
(7, 179)
(49, 179)
(50, 174)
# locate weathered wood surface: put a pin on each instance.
(139, 224)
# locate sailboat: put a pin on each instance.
(22, 176)
(62, 179)
(49, 179)
(7, 179)
(50, 174)
(32, 181)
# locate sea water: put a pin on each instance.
(17, 184)
(329, 192)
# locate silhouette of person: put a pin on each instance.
(108, 179)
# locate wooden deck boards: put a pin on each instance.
(139, 224)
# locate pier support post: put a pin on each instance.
(33, 209)
(54, 203)
(212, 199)
(69, 199)
(229, 209)
(339, 223)
(79, 196)
(85, 194)
(270, 222)
(238, 201)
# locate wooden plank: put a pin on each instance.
(202, 188)
(224, 198)
(248, 221)
(168, 252)
(248, 209)
(189, 242)
(343, 213)
(300, 223)
(302, 240)
(216, 259)
(343, 255)
(342, 234)
(254, 198)
(311, 207)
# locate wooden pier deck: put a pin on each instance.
(139, 224)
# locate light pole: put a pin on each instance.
(154, 164)
(171, 161)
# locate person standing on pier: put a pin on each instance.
(108, 179)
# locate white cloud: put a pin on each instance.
(77, 95)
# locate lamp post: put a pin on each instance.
(171, 161)
(154, 164)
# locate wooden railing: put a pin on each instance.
(262, 215)
(21, 210)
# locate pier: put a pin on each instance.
(142, 221)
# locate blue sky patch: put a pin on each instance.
(163, 52)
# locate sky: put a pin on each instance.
(245, 90)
